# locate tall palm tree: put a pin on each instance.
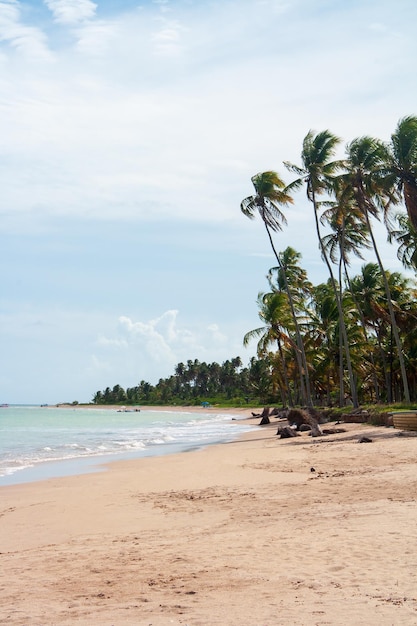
(403, 163)
(270, 195)
(349, 236)
(372, 188)
(317, 172)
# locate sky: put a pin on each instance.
(129, 134)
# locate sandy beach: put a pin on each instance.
(242, 533)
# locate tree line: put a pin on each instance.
(195, 382)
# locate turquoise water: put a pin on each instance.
(44, 442)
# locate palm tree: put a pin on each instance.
(324, 337)
(270, 195)
(275, 314)
(317, 172)
(368, 290)
(403, 163)
(295, 275)
(349, 235)
(369, 183)
(406, 236)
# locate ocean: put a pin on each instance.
(37, 443)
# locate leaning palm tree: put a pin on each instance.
(270, 195)
(317, 172)
(403, 163)
(371, 185)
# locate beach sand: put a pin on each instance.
(241, 533)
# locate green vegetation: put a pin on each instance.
(349, 341)
(228, 384)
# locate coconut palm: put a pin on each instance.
(349, 236)
(323, 335)
(368, 181)
(317, 172)
(270, 195)
(403, 163)
(406, 236)
(290, 272)
(275, 313)
(294, 273)
(367, 288)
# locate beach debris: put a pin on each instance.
(312, 469)
(265, 417)
(365, 440)
(271, 412)
(286, 432)
(333, 431)
(357, 416)
(297, 417)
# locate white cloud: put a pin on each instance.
(163, 5)
(27, 40)
(119, 344)
(137, 121)
(95, 38)
(167, 40)
(71, 11)
(216, 334)
(160, 338)
(154, 347)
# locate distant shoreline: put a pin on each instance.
(247, 412)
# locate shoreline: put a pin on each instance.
(95, 462)
(235, 533)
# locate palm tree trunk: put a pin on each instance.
(300, 352)
(391, 312)
(365, 334)
(410, 199)
(341, 371)
(285, 377)
(353, 390)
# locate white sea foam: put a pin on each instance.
(33, 435)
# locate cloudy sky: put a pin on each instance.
(129, 133)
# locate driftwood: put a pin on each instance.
(275, 412)
(264, 416)
(297, 417)
(333, 431)
(287, 432)
(308, 418)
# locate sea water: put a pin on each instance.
(44, 442)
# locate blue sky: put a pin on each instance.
(130, 131)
